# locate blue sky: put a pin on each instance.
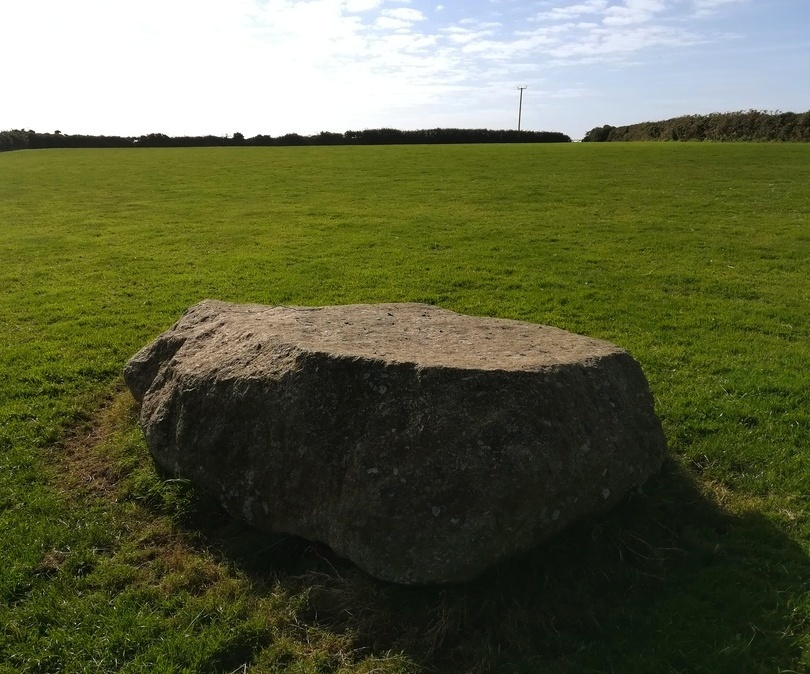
(188, 67)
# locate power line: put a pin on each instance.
(520, 106)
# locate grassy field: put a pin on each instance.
(694, 257)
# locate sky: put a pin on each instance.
(198, 67)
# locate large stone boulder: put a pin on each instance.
(422, 444)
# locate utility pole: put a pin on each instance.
(520, 107)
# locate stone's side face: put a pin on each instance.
(421, 444)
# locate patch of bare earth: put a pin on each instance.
(83, 462)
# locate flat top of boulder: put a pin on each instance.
(403, 332)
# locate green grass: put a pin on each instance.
(695, 257)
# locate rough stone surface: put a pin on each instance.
(422, 444)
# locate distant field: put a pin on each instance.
(694, 257)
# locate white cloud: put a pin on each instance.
(633, 12)
(404, 14)
(362, 5)
(399, 19)
(470, 32)
(575, 11)
(603, 42)
(708, 7)
(390, 23)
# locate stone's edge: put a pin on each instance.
(254, 308)
(441, 338)
(143, 368)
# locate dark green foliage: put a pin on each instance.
(16, 139)
(599, 134)
(31, 140)
(396, 136)
(750, 125)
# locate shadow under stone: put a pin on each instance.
(667, 582)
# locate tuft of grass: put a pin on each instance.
(694, 257)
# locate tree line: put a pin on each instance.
(18, 139)
(745, 125)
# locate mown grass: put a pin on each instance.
(694, 257)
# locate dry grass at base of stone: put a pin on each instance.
(84, 459)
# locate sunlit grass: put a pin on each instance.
(693, 257)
